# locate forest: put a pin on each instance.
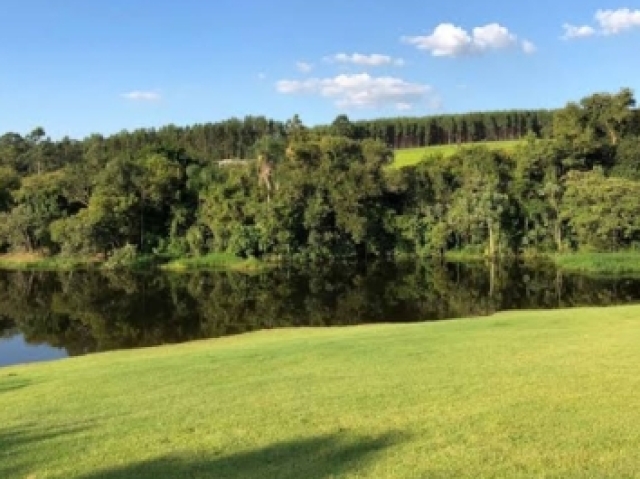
(265, 189)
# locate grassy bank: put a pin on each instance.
(220, 261)
(465, 256)
(600, 263)
(215, 262)
(520, 394)
(44, 263)
(411, 156)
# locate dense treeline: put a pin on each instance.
(447, 129)
(319, 193)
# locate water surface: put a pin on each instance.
(46, 316)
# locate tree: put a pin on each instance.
(341, 126)
(627, 162)
(483, 199)
(610, 113)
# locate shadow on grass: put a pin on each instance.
(18, 442)
(320, 457)
(11, 384)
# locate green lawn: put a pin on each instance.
(517, 395)
(411, 156)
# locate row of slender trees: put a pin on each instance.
(400, 133)
(236, 138)
(327, 192)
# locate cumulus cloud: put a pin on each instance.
(304, 67)
(372, 60)
(616, 21)
(363, 91)
(608, 22)
(573, 31)
(140, 95)
(449, 40)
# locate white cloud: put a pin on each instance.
(615, 21)
(403, 106)
(493, 36)
(262, 76)
(573, 31)
(449, 40)
(609, 22)
(372, 60)
(139, 95)
(529, 47)
(304, 67)
(363, 91)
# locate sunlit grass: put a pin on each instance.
(33, 261)
(411, 156)
(215, 261)
(618, 263)
(517, 395)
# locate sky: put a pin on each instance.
(76, 67)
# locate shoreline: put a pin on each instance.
(597, 263)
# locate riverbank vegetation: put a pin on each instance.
(621, 263)
(312, 194)
(520, 394)
(33, 261)
(216, 261)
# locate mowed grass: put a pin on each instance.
(516, 395)
(617, 263)
(412, 156)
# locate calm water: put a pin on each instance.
(46, 316)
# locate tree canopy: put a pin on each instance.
(289, 190)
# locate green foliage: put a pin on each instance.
(627, 160)
(216, 261)
(499, 183)
(122, 257)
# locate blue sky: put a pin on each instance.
(78, 66)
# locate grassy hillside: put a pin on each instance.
(520, 394)
(411, 156)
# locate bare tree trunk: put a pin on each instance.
(557, 235)
(493, 237)
(493, 275)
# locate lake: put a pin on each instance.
(50, 315)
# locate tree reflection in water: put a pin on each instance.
(89, 311)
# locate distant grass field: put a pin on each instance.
(411, 156)
(519, 395)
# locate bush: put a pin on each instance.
(122, 257)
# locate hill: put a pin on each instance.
(411, 156)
